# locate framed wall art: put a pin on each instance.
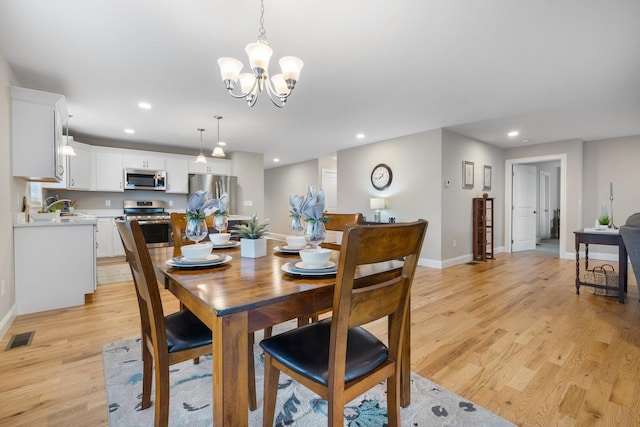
(486, 184)
(467, 174)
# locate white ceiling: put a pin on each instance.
(553, 70)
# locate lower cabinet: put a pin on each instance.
(55, 265)
(108, 239)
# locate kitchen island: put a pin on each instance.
(55, 263)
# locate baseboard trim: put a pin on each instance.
(7, 321)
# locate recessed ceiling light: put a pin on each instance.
(129, 131)
(360, 135)
(275, 159)
(513, 133)
(524, 140)
(222, 143)
(144, 105)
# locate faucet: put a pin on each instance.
(47, 207)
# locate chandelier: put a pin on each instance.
(278, 88)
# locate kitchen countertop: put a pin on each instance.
(63, 221)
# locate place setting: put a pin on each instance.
(294, 245)
(222, 241)
(313, 262)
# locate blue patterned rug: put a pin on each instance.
(190, 398)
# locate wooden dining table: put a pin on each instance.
(249, 294)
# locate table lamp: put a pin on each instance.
(377, 203)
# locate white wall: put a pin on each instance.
(11, 192)
(457, 213)
(280, 183)
(249, 170)
(415, 191)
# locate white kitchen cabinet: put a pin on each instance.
(55, 265)
(143, 162)
(118, 248)
(177, 175)
(213, 166)
(104, 239)
(36, 134)
(108, 239)
(109, 172)
(79, 170)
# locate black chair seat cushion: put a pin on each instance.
(305, 350)
(185, 331)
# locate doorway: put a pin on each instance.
(510, 202)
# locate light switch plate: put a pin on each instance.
(248, 203)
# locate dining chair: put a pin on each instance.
(166, 340)
(336, 357)
(337, 222)
(178, 226)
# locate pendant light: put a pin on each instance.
(67, 149)
(218, 151)
(201, 158)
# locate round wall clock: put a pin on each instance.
(381, 176)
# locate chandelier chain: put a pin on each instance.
(261, 30)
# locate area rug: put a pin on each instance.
(191, 388)
(113, 273)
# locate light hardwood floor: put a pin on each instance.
(508, 334)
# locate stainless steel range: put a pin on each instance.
(154, 221)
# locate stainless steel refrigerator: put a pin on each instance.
(215, 185)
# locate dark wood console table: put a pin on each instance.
(602, 238)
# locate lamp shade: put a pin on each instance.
(259, 55)
(218, 152)
(377, 203)
(291, 67)
(229, 68)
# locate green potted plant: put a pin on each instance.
(252, 243)
(603, 219)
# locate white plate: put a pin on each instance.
(287, 250)
(225, 245)
(185, 261)
(220, 259)
(291, 269)
(303, 266)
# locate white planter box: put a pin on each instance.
(253, 248)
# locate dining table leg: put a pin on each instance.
(230, 370)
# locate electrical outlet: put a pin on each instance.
(107, 203)
(248, 203)
(170, 203)
(455, 243)
(3, 290)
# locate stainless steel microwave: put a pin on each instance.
(142, 179)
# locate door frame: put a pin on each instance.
(508, 202)
(544, 221)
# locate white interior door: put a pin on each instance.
(544, 226)
(330, 187)
(524, 208)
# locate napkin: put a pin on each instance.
(296, 205)
(313, 206)
(199, 205)
(219, 205)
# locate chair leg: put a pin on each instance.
(271, 378)
(393, 400)
(162, 397)
(335, 412)
(268, 331)
(253, 405)
(147, 375)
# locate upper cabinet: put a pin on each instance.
(177, 175)
(109, 172)
(79, 170)
(143, 162)
(36, 121)
(213, 166)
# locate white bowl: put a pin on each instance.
(45, 216)
(315, 258)
(296, 242)
(196, 251)
(219, 238)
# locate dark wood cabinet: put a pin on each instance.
(482, 228)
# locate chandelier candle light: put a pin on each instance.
(218, 151)
(201, 158)
(278, 88)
